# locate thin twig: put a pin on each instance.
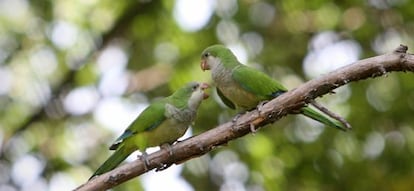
(330, 113)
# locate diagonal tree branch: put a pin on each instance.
(285, 104)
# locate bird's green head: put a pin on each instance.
(191, 95)
(217, 54)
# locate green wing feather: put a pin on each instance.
(114, 160)
(225, 99)
(149, 119)
(257, 82)
(311, 113)
(265, 88)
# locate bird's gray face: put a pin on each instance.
(198, 94)
(209, 61)
(205, 56)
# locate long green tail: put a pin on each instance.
(114, 160)
(311, 113)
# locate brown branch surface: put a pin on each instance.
(285, 104)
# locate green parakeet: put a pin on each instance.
(162, 122)
(242, 87)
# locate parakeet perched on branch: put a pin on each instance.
(162, 122)
(242, 87)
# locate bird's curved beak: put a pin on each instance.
(204, 65)
(203, 87)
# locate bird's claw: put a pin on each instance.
(260, 106)
(170, 150)
(144, 157)
(235, 118)
(253, 128)
(162, 167)
(168, 147)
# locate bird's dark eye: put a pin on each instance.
(205, 55)
(195, 87)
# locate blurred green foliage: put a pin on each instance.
(73, 74)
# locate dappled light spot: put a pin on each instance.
(353, 18)
(63, 34)
(81, 100)
(193, 15)
(170, 179)
(114, 82)
(227, 31)
(15, 10)
(240, 52)
(5, 80)
(387, 41)
(374, 145)
(408, 133)
(253, 42)
(166, 52)
(329, 53)
(27, 170)
(348, 146)
(261, 14)
(116, 113)
(226, 8)
(43, 61)
(304, 130)
(219, 162)
(235, 175)
(61, 181)
(395, 139)
(199, 166)
(273, 168)
(382, 93)
(112, 57)
(112, 66)
(259, 146)
(336, 157)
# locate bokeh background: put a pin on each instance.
(74, 74)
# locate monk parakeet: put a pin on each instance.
(162, 122)
(243, 87)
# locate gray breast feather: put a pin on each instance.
(185, 115)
